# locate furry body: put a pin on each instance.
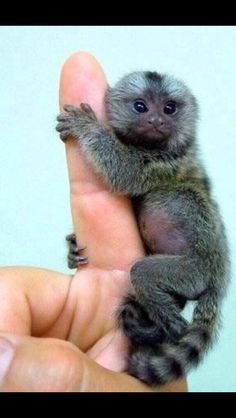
(148, 151)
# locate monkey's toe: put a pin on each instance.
(74, 258)
(74, 261)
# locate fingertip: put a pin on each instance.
(82, 79)
(81, 58)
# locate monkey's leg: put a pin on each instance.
(137, 325)
(158, 279)
(74, 258)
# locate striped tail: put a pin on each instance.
(161, 364)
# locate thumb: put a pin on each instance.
(29, 364)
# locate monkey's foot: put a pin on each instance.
(161, 304)
(137, 325)
(75, 121)
(74, 259)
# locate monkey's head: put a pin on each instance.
(152, 111)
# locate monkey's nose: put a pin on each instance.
(155, 121)
(151, 120)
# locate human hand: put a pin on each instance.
(62, 331)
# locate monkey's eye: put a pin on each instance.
(140, 106)
(170, 108)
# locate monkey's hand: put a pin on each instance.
(76, 121)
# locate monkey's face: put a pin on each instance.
(152, 111)
(151, 120)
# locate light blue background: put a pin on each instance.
(34, 205)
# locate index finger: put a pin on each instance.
(103, 221)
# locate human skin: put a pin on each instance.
(58, 332)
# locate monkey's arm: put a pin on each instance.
(121, 166)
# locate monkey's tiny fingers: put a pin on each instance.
(71, 109)
(74, 261)
(88, 110)
(67, 122)
(64, 129)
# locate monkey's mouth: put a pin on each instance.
(146, 138)
(160, 134)
(154, 131)
(153, 134)
(149, 140)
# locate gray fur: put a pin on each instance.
(158, 167)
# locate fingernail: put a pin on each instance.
(6, 355)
